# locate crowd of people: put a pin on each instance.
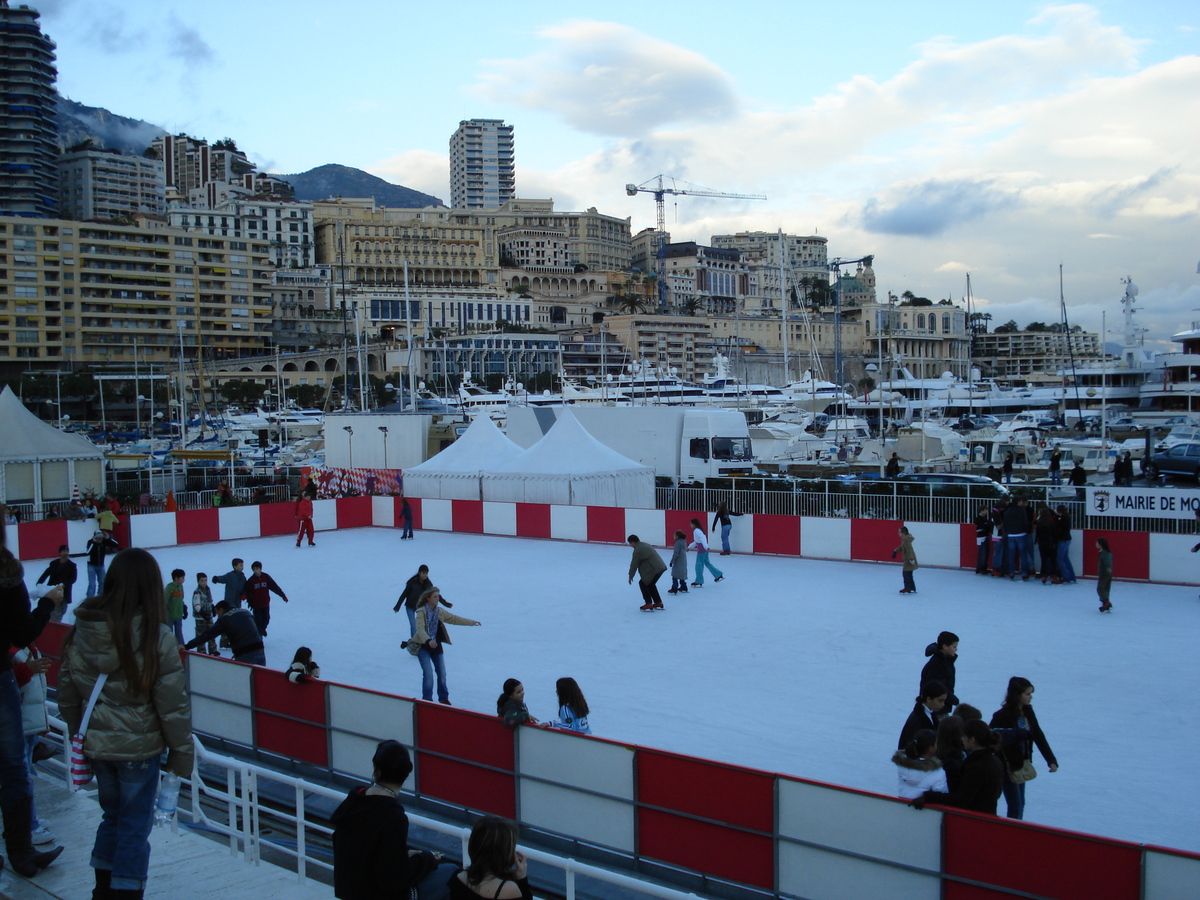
(946, 753)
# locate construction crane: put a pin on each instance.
(659, 190)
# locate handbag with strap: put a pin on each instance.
(79, 772)
(1026, 773)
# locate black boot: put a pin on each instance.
(103, 885)
(126, 895)
(24, 859)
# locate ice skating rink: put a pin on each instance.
(795, 666)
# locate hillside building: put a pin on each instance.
(28, 131)
(105, 185)
(482, 165)
(1021, 354)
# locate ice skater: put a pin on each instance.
(700, 545)
(413, 589)
(929, 703)
(406, 520)
(1017, 714)
(234, 581)
(679, 565)
(1104, 574)
(259, 588)
(943, 654)
(97, 549)
(910, 560)
(572, 707)
(203, 612)
(426, 644)
(648, 566)
(63, 572)
(176, 608)
(722, 517)
(303, 667)
(304, 515)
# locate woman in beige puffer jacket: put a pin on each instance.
(143, 710)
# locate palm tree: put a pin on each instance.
(631, 303)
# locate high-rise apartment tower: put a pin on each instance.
(482, 171)
(28, 133)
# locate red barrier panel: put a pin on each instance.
(777, 534)
(415, 503)
(679, 520)
(704, 847)
(1037, 860)
(1130, 550)
(738, 797)
(121, 532)
(353, 512)
(197, 526)
(277, 518)
(606, 525)
(968, 550)
(875, 539)
(276, 698)
(41, 540)
(477, 741)
(533, 520)
(466, 516)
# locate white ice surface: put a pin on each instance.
(795, 666)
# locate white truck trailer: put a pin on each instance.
(681, 443)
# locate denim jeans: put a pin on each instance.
(14, 773)
(412, 620)
(31, 741)
(702, 563)
(127, 791)
(1066, 571)
(725, 529)
(429, 663)
(95, 579)
(1016, 554)
(909, 583)
(252, 657)
(1027, 553)
(177, 629)
(981, 556)
(1000, 556)
(1014, 796)
(433, 886)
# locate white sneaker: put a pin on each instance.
(40, 836)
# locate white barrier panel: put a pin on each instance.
(936, 544)
(815, 874)
(324, 515)
(741, 538)
(383, 512)
(824, 538)
(359, 720)
(499, 518)
(576, 761)
(12, 538)
(1170, 559)
(1168, 876)
(437, 515)
(152, 530)
(648, 524)
(79, 532)
(568, 523)
(239, 522)
(859, 823)
(597, 820)
(234, 720)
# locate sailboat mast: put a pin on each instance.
(783, 305)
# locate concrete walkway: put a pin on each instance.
(182, 866)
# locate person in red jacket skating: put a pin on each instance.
(259, 588)
(304, 512)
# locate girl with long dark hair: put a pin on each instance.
(143, 710)
(1017, 714)
(497, 869)
(572, 707)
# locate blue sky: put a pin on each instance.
(945, 138)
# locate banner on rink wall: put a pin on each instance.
(1142, 503)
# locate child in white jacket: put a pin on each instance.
(918, 769)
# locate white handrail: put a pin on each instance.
(247, 804)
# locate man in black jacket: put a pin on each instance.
(943, 654)
(61, 571)
(236, 624)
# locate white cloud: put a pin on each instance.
(610, 79)
(420, 170)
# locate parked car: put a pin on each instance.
(980, 485)
(975, 423)
(1181, 459)
(1179, 420)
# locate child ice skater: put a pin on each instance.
(1104, 582)
(679, 565)
(910, 560)
(203, 612)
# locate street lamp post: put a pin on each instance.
(350, 432)
(383, 428)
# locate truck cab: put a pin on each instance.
(714, 443)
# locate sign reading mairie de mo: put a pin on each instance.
(1142, 503)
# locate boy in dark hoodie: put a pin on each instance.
(942, 653)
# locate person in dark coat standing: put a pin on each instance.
(892, 469)
(413, 589)
(371, 857)
(1017, 713)
(722, 518)
(61, 571)
(1056, 466)
(1066, 571)
(942, 653)
(237, 626)
(1016, 526)
(929, 703)
(648, 566)
(1007, 468)
(406, 520)
(981, 777)
(983, 540)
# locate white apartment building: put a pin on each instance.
(286, 226)
(105, 184)
(482, 166)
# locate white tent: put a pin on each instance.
(40, 464)
(569, 467)
(454, 473)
